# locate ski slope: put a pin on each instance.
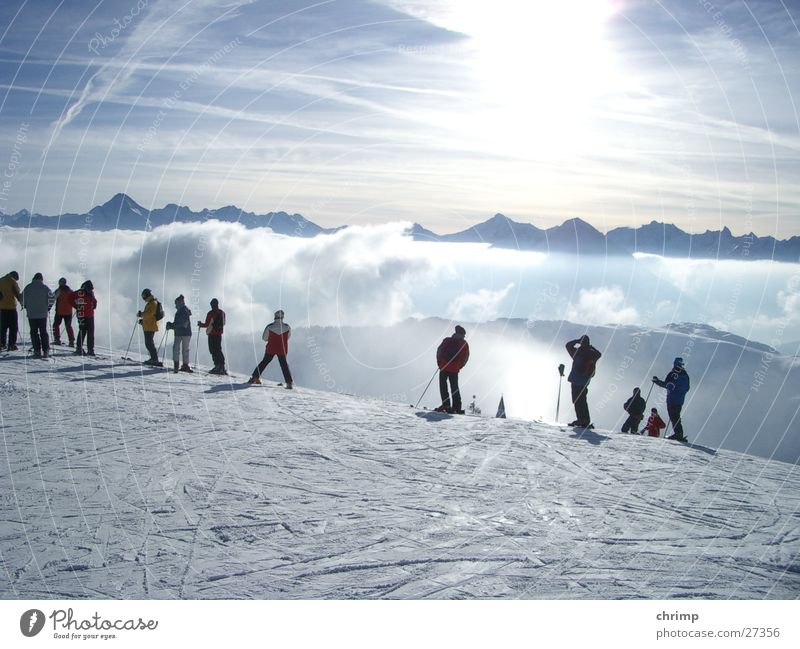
(124, 482)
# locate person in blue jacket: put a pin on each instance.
(677, 385)
(182, 330)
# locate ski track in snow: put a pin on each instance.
(120, 481)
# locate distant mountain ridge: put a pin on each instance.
(124, 213)
(574, 236)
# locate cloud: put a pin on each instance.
(479, 306)
(377, 276)
(603, 305)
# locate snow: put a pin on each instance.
(124, 482)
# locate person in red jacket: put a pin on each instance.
(451, 356)
(63, 296)
(84, 302)
(654, 424)
(276, 335)
(214, 326)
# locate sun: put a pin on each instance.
(538, 68)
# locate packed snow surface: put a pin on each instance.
(126, 482)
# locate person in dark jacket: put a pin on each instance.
(635, 408)
(451, 356)
(37, 299)
(215, 326)
(9, 317)
(84, 302)
(677, 385)
(63, 297)
(276, 335)
(182, 330)
(584, 360)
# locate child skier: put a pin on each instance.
(654, 424)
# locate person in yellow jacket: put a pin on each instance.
(148, 318)
(9, 318)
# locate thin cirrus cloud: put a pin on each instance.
(619, 112)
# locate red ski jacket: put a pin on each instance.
(84, 302)
(452, 354)
(215, 322)
(654, 425)
(63, 300)
(276, 336)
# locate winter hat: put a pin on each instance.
(279, 314)
(88, 285)
(637, 391)
(584, 340)
(180, 299)
(14, 274)
(37, 276)
(654, 411)
(678, 362)
(62, 281)
(461, 330)
(214, 302)
(146, 293)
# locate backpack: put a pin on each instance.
(159, 311)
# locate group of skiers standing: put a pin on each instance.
(276, 335)
(37, 299)
(584, 361)
(453, 353)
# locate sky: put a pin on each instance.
(441, 112)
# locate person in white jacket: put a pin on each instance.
(276, 335)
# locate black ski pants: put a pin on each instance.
(674, 412)
(39, 337)
(579, 393)
(215, 349)
(452, 379)
(9, 327)
(149, 343)
(67, 325)
(85, 332)
(287, 375)
(632, 424)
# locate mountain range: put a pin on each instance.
(574, 236)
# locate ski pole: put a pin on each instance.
(647, 398)
(426, 388)
(197, 348)
(164, 356)
(560, 381)
(163, 342)
(125, 357)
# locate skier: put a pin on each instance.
(149, 321)
(276, 335)
(9, 320)
(677, 385)
(654, 424)
(214, 326)
(84, 302)
(635, 408)
(451, 356)
(37, 298)
(182, 330)
(63, 297)
(584, 360)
